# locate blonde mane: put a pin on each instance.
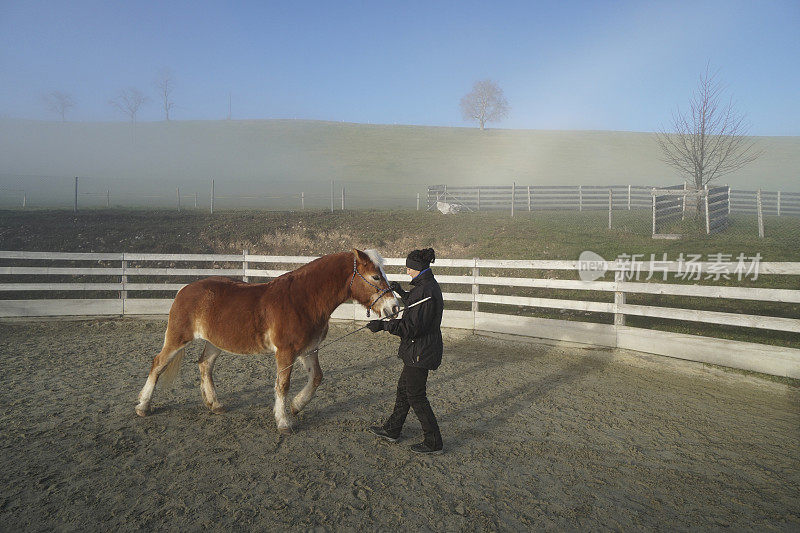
(377, 260)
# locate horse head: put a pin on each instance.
(369, 285)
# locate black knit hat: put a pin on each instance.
(420, 259)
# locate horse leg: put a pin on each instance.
(311, 366)
(284, 362)
(168, 359)
(206, 364)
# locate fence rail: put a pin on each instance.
(135, 273)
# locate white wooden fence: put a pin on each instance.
(516, 197)
(125, 268)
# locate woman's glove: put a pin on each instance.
(375, 326)
(395, 286)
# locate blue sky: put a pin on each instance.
(563, 65)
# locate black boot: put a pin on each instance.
(382, 433)
(425, 449)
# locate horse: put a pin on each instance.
(287, 316)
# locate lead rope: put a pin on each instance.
(387, 317)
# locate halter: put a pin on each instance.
(383, 291)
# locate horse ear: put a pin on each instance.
(362, 257)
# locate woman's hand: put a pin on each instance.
(395, 286)
(375, 326)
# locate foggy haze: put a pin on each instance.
(380, 166)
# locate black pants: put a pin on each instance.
(411, 393)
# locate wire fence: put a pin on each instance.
(80, 192)
(663, 211)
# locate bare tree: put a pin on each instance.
(164, 84)
(59, 103)
(485, 103)
(711, 139)
(129, 101)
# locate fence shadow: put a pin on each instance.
(515, 400)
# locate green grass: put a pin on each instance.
(536, 235)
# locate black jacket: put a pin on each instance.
(420, 328)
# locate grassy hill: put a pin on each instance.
(380, 165)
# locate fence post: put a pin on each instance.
(760, 215)
(580, 198)
(342, 197)
(779, 203)
(513, 196)
(303, 201)
(708, 215)
(244, 264)
(653, 193)
(629, 197)
(610, 200)
(529, 197)
(195, 200)
(417, 201)
(331, 196)
(75, 203)
(212, 196)
(683, 205)
(729, 199)
(24, 199)
(178, 197)
(123, 294)
(479, 198)
(619, 300)
(475, 291)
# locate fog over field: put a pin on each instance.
(378, 164)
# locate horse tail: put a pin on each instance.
(170, 372)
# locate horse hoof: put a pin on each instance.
(140, 411)
(285, 431)
(294, 410)
(218, 410)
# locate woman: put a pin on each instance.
(420, 349)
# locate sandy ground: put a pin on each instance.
(536, 437)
